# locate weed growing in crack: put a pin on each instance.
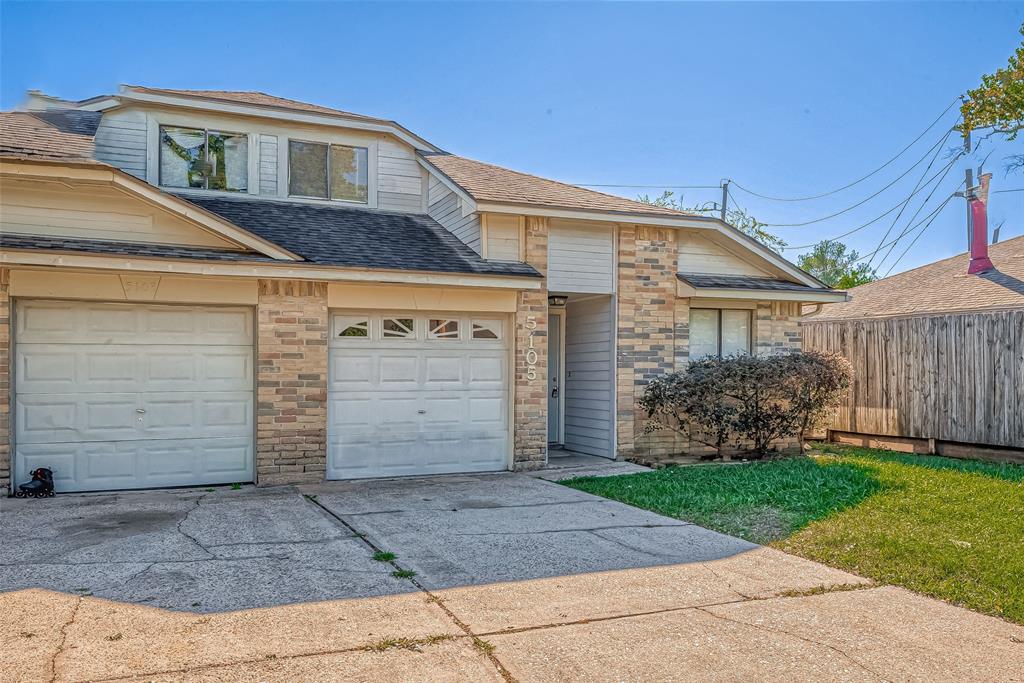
(116, 636)
(383, 556)
(236, 487)
(819, 590)
(484, 646)
(403, 573)
(413, 644)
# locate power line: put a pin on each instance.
(1016, 189)
(909, 229)
(923, 204)
(859, 180)
(882, 215)
(906, 203)
(923, 231)
(652, 187)
(869, 197)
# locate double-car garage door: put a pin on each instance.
(125, 396)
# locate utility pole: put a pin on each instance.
(725, 198)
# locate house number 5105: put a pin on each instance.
(531, 353)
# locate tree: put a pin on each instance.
(737, 218)
(836, 265)
(998, 103)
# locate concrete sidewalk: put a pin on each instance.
(516, 578)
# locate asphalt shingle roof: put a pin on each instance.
(34, 242)
(741, 282)
(940, 287)
(356, 238)
(76, 121)
(489, 183)
(28, 135)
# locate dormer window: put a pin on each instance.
(321, 171)
(204, 159)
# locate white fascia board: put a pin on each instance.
(288, 115)
(747, 244)
(13, 257)
(813, 296)
(469, 204)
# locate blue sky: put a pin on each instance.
(786, 99)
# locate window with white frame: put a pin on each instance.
(443, 328)
(321, 171)
(719, 332)
(204, 159)
(398, 328)
(352, 326)
(487, 329)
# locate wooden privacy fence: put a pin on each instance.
(954, 377)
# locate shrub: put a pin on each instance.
(752, 400)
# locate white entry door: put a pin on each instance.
(417, 394)
(126, 396)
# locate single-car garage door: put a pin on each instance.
(126, 396)
(417, 394)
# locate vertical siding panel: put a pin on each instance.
(589, 362)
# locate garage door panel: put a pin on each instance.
(416, 406)
(117, 323)
(139, 464)
(73, 368)
(116, 396)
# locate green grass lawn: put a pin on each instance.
(953, 529)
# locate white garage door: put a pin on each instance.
(124, 396)
(417, 394)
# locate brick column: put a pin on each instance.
(647, 331)
(530, 406)
(5, 382)
(291, 436)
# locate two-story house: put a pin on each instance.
(202, 287)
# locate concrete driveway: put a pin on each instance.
(516, 578)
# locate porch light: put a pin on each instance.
(557, 300)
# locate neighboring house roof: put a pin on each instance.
(701, 281)
(30, 136)
(939, 287)
(356, 238)
(253, 97)
(39, 242)
(489, 183)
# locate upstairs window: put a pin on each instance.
(322, 171)
(715, 332)
(204, 159)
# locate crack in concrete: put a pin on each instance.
(189, 536)
(64, 638)
(727, 583)
(471, 508)
(768, 629)
(464, 627)
(570, 531)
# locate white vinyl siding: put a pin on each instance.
(503, 234)
(581, 257)
(399, 178)
(697, 254)
(445, 207)
(126, 396)
(589, 376)
(268, 165)
(121, 140)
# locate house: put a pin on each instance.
(202, 287)
(938, 357)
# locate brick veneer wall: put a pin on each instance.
(5, 382)
(291, 423)
(647, 328)
(530, 404)
(777, 327)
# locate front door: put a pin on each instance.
(555, 379)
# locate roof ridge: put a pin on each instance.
(638, 203)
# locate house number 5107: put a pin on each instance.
(531, 353)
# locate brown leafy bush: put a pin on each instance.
(748, 400)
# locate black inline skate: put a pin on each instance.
(41, 485)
